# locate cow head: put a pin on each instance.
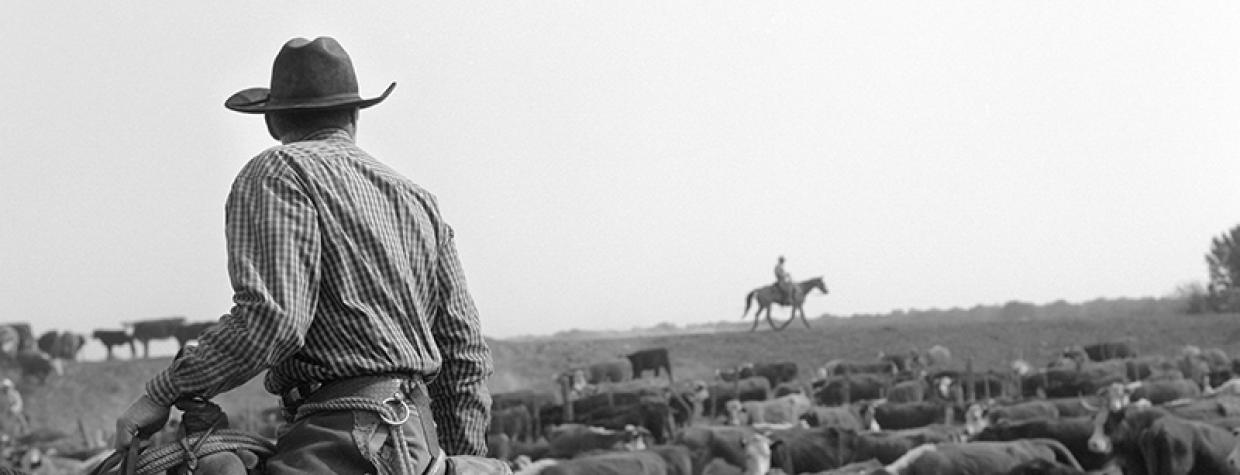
(821, 374)
(757, 453)
(634, 438)
(734, 409)
(1022, 368)
(1116, 396)
(1119, 425)
(975, 420)
(579, 381)
(867, 410)
(943, 387)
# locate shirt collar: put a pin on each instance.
(327, 134)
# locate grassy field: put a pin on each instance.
(95, 393)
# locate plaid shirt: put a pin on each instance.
(341, 267)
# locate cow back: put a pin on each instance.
(1073, 433)
(679, 460)
(157, 329)
(611, 463)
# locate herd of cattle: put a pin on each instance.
(40, 357)
(1100, 408)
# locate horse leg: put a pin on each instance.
(756, 317)
(770, 321)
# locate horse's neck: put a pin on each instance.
(806, 286)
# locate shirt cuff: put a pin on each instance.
(161, 389)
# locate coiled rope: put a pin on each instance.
(159, 459)
(193, 447)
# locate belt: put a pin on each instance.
(376, 386)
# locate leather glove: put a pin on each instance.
(143, 418)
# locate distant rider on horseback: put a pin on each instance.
(783, 281)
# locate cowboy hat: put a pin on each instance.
(307, 75)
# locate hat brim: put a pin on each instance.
(257, 100)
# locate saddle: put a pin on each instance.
(787, 292)
(205, 445)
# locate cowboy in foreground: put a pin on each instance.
(347, 290)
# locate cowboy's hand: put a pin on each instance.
(144, 417)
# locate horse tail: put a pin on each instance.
(748, 302)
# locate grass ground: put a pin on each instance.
(95, 393)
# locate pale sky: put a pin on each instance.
(611, 164)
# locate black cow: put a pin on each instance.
(800, 450)
(553, 414)
(515, 422)
(706, 443)
(641, 462)
(568, 440)
(913, 390)
(608, 371)
(533, 401)
(146, 330)
(111, 338)
(1152, 367)
(847, 417)
(654, 416)
(26, 340)
(979, 458)
(1110, 350)
(36, 365)
(190, 331)
(842, 367)
(982, 385)
(839, 390)
(63, 345)
(894, 416)
(1019, 411)
(1153, 439)
(1073, 407)
(1067, 382)
(653, 359)
(1221, 410)
(1044, 467)
(1159, 392)
(679, 459)
(776, 373)
(748, 389)
(1073, 433)
(903, 362)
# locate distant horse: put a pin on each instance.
(771, 294)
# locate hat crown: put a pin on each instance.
(307, 75)
(308, 70)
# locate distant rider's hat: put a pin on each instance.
(307, 75)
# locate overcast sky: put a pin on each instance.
(611, 164)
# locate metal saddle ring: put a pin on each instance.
(396, 400)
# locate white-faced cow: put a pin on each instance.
(1153, 440)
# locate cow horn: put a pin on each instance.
(1087, 405)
